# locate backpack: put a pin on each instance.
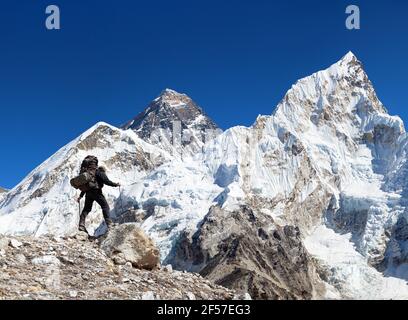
(86, 180)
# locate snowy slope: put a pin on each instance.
(44, 202)
(346, 270)
(176, 193)
(329, 160)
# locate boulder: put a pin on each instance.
(15, 243)
(4, 243)
(128, 243)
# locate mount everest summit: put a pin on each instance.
(307, 203)
(174, 122)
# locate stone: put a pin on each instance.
(168, 268)
(242, 296)
(20, 258)
(191, 296)
(4, 243)
(44, 260)
(82, 236)
(66, 260)
(15, 243)
(149, 295)
(119, 259)
(128, 243)
(57, 239)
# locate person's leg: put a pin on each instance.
(101, 200)
(88, 208)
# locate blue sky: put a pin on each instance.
(234, 58)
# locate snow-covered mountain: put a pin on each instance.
(175, 123)
(321, 184)
(44, 202)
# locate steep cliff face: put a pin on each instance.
(324, 176)
(244, 250)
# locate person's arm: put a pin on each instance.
(104, 178)
(81, 196)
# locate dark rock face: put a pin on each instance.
(245, 251)
(168, 108)
(2, 190)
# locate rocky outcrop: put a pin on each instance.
(70, 269)
(128, 243)
(2, 190)
(245, 251)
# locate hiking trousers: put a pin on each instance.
(98, 197)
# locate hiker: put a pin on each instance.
(93, 190)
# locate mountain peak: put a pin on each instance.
(172, 98)
(170, 92)
(348, 65)
(168, 108)
(350, 56)
(340, 92)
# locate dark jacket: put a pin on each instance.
(101, 180)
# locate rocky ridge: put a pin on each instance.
(73, 268)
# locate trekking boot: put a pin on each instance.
(109, 223)
(82, 227)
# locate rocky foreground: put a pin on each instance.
(76, 268)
